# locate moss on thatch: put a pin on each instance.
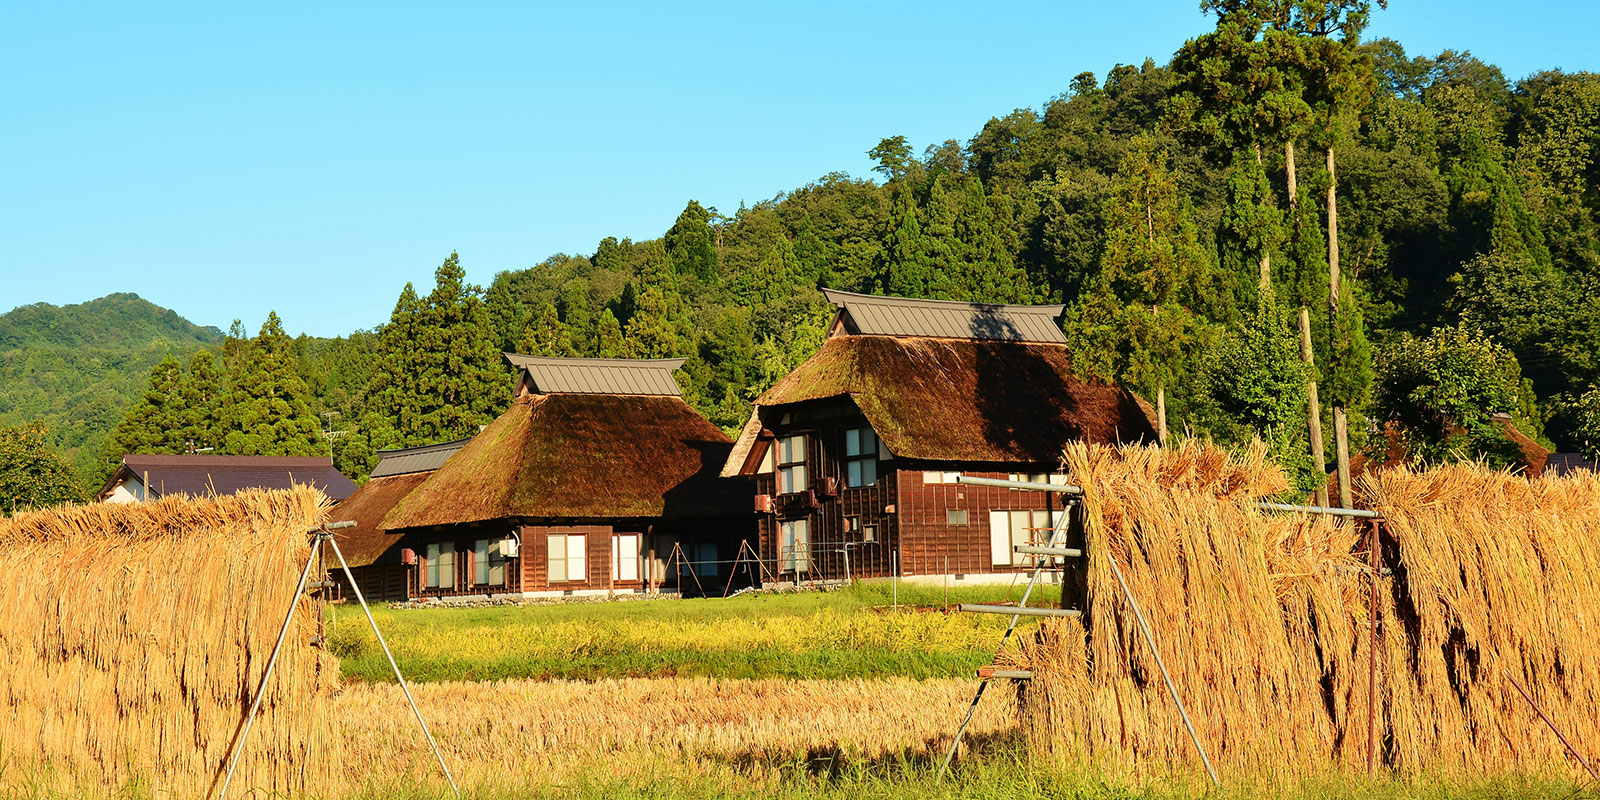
(133, 638)
(965, 400)
(582, 456)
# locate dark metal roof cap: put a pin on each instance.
(635, 376)
(872, 315)
(423, 458)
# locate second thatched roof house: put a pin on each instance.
(375, 555)
(854, 454)
(597, 475)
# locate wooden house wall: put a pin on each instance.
(908, 514)
(380, 583)
(824, 427)
(929, 542)
(530, 571)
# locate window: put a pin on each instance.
(955, 516)
(566, 557)
(440, 566)
(860, 457)
(1007, 529)
(625, 557)
(705, 560)
(869, 533)
(852, 524)
(1052, 478)
(792, 464)
(488, 563)
(796, 555)
(934, 476)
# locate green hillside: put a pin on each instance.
(79, 368)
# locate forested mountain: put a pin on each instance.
(1437, 226)
(77, 369)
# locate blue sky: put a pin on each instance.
(226, 159)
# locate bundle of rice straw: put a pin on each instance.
(1258, 617)
(1497, 575)
(1264, 621)
(134, 637)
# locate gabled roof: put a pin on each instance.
(955, 400)
(590, 456)
(871, 315)
(541, 375)
(407, 460)
(205, 475)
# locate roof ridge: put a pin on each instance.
(840, 297)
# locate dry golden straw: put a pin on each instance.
(527, 732)
(134, 636)
(1498, 575)
(1263, 620)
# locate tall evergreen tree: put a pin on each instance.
(651, 331)
(395, 395)
(608, 337)
(201, 394)
(460, 384)
(547, 336)
(691, 244)
(156, 424)
(268, 411)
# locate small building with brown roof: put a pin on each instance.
(599, 478)
(374, 554)
(855, 453)
(143, 476)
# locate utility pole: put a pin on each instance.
(1341, 435)
(1314, 407)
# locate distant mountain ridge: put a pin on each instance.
(79, 368)
(122, 320)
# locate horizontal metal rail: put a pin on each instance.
(1005, 674)
(1077, 490)
(1005, 484)
(1035, 550)
(1019, 611)
(1338, 512)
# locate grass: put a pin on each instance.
(1000, 778)
(842, 634)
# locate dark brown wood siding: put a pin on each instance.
(929, 541)
(715, 540)
(826, 514)
(910, 516)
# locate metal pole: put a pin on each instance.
(983, 685)
(392, 665)
(1150, 640)
(272, 664)
(1553, 728)
(1372, 665)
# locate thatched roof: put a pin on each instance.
(958, 400)
(581, 456)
